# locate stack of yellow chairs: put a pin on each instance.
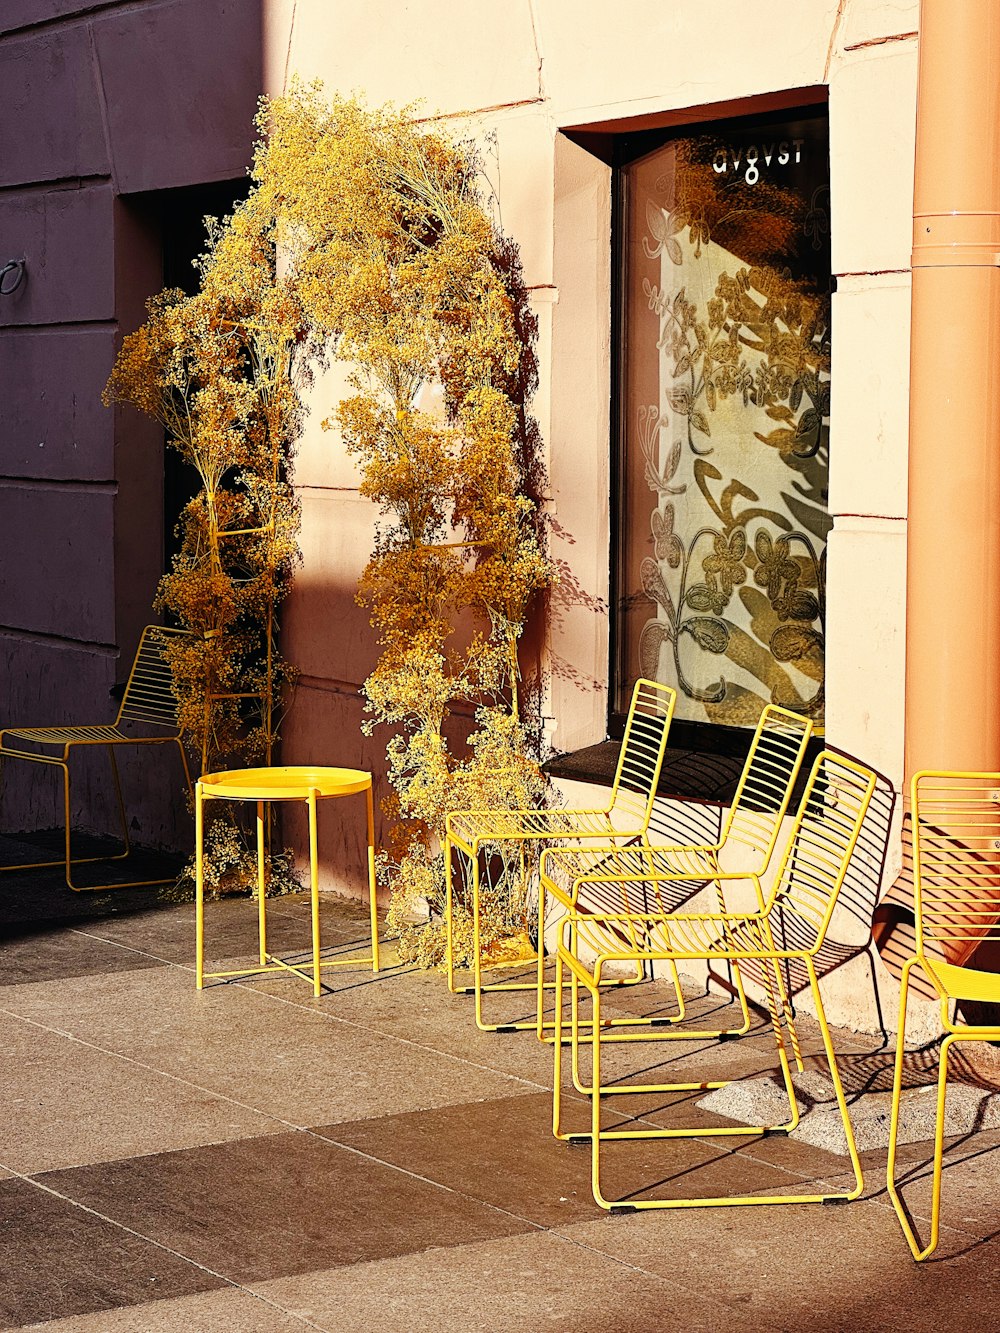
(659, 877)
(473, 834)
(956, 861)
(812, 868)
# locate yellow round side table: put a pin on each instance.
(292, 783)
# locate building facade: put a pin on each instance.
(729, 515)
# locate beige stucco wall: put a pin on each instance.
(516, 74)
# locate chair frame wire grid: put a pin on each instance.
(149, 701)
(471, 834)
(956, 859)
(661, 877)
(812, 869)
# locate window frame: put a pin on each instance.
(625, 148)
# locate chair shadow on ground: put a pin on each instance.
(38, 900)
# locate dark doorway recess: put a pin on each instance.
(179, 218)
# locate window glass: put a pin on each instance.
(724, 400)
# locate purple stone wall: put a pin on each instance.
(99, 101)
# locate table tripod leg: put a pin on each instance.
(372, 901)
(261, 887)
(199, 888)
(314, 891)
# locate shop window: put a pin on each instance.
(722, 401)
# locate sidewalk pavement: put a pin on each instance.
(250, 1160)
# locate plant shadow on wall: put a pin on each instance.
(365, 237)
(743, 353)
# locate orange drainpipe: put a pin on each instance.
(953, 528)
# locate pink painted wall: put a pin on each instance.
(99, 101)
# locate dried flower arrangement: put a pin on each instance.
(365, 236)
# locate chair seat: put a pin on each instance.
(66, 735)
(622, 875)
(470, 826)
(963, 983)
(626, 936)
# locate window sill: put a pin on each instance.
(687, 775)
(709, 773)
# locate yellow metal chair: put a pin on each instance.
(812, 869)
(956, 860)
(148, 703)
(627, 879)
(471, 833)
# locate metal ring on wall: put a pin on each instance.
(8, 286)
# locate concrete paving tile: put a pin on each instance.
(540, 1283)
(299, 1064)
(808, 1267)
(72, 1104)
(257, 1209)
(793, 1155)
(668, 1061)
(230, 928)
(419, 1006)
(969, 1200)
(59, 953)
(676, 1110)
(503, 1153)
(59, 1260)
(228, 1310)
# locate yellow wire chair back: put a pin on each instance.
(823, 838)
(754, 819)
(643, 748)
(765, 788)
(149, 696)
(148, 700)
(956, 854)
(956, 890)
(812, 869)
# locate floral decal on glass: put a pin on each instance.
(727, 399)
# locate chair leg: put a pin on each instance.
(129, 884)
(597, 1135)
(837, 1086)
(122, 814)
(557, 1047)
(595, 1102)
(66, 827)
(67, 860)
(449, 918)
(477, 945)
(540, 963)
(184, 764)
(942, 1091)
(783, 987)
(909, 1231)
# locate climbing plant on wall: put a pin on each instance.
(399, 263)
(366, 234)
